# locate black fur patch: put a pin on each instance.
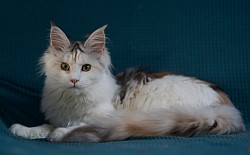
(75, 47)
(125, 78)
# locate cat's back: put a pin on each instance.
(152, 91)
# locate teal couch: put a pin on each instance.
(208, 39)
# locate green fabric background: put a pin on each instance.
(208, 39)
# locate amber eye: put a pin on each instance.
(86, 67)
(65, 66)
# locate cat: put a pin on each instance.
(84, 102)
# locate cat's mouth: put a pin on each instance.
(77, 87)
(74, 87)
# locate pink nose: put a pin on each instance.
(74, 81)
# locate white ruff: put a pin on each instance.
(69, 107)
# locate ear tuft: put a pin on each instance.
(96, 41)
(52, 23)
(58, 40)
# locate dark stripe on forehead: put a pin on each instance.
(76, 47)
(75, 54)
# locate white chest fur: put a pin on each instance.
(66, 107)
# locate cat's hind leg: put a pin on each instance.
(59, 133)
(38, 132)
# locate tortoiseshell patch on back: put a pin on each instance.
(223, 97)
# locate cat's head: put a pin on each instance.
(76, 64)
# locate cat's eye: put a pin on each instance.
(65, 66)
(86, 67)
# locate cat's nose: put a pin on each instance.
(74, 81)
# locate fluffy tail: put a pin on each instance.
(177, 122)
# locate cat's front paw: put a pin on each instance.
(58, 134)
(38, 132)
(20, 131)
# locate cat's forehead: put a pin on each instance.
(77, 54)
(74, 53)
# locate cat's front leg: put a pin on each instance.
(59, 133)
(38, 132)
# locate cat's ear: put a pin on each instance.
(96, 41)
(58, 39)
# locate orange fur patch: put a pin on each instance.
(222, 96)
(139, 130)
(159, 75)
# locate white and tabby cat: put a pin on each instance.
(84, 102)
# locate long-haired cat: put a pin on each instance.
(83, 101)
